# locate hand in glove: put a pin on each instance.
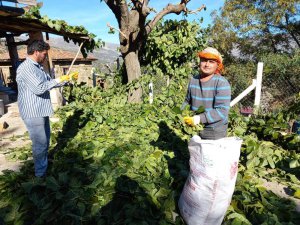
(71, 76)
(192, 121)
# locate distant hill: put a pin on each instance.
(107, 54)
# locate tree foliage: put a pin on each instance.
(257, 26)
(171, 44)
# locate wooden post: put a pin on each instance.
(13, 54)
(259, 74)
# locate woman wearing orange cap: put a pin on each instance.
(212, 91)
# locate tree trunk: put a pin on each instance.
(133, 31)
(133, 70)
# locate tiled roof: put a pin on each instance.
(56, 55)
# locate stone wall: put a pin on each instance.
(85, 72)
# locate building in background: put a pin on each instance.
(61, 60)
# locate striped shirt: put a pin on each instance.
(214, 95)
(33, 90)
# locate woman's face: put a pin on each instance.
(208, 66)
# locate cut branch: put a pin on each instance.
(113, 28)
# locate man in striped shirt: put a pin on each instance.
(34, 101)
(213, 92)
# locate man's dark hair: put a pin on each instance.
(37, 45)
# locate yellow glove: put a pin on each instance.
(189, 120)
(71, 76)
(64, 78)
(192, 121)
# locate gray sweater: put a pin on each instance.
(214, 95)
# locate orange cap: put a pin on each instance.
(212, 53)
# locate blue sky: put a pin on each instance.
(94, 15)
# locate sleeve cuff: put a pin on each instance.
(203, 118)
(197, 119)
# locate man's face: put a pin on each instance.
(40, 56)
(208, 66)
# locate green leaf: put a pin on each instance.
(27, 186)
(239, 218)
(51, 183)
(50, 23)
(271, 162)
(57, 27)
(294, 163)
(177, 110)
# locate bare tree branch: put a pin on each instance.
(177, 9)
(197, 10)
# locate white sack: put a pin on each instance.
(208, 190)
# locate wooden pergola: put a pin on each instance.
(13, 25)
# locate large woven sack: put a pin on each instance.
(208, 190)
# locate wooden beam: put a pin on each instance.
(25, 2)
(20, 43)
(11, 11)
(17, 25)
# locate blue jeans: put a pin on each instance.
(39, 132)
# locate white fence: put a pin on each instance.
(256, 84)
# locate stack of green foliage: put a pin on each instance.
(116, 162)
(119, 163)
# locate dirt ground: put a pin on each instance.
(282, 191)
(15, 137)
(12, 137)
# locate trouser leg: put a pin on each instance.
(39, 132)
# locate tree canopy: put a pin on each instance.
(172, 44)
(257, 26)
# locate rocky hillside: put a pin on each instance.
(106, 54)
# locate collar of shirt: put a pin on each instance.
(39, 66)
(35, 63)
